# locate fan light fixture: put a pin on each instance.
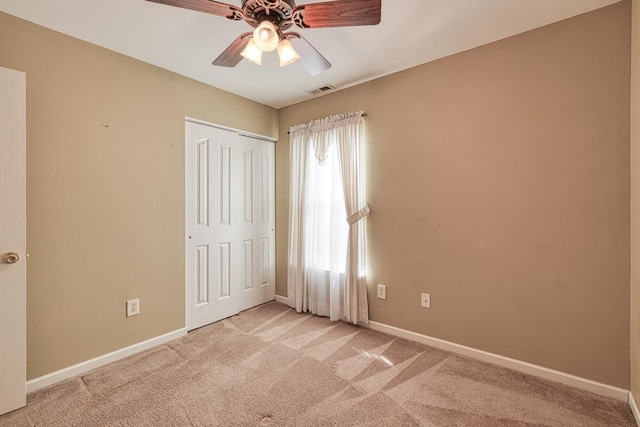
(266, 36)
(252, 52)
(287, 53)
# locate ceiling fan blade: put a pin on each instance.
(206, 6)
(231, 56)
(310, 58)
(339, 13)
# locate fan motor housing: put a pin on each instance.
(259, 8)
(270, 3)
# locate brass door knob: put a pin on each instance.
(10, 258)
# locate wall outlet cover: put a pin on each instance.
(133, 307)
(425, 300)
(382, 292)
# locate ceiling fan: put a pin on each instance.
(271, 18)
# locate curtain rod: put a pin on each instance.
(362, 115)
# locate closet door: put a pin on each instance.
(228, 180)
(257, 222)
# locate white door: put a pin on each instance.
(256, 225)
(230, 245)
(12, 240)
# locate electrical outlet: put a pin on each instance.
(133, 307)
(425, 301)
(382, 292)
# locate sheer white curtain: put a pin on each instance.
(326, 263)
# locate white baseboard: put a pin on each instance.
(283, 300)
(81, 368)
(634, 408)
(496, 359)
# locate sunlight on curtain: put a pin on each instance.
(326, 269)
(326, 234)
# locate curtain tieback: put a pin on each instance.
(361, 214)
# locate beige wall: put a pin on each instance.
(499, 181)
(105, 190)
(635, 202)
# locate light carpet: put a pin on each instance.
(270, 366)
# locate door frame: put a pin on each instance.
(234, 130)
(187, 175)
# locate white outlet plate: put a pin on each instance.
(133, 307)
(382, 292)
(425, 300)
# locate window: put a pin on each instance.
(326, 249)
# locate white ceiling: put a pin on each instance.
(412, 32)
